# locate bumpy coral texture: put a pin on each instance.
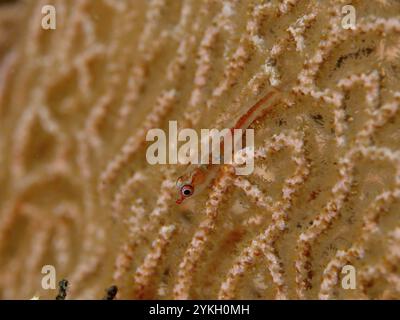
(78, 193)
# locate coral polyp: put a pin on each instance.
(77, 192)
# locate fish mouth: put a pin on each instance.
(180, 200)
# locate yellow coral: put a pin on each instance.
(77, 193)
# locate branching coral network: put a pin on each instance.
(76, 190)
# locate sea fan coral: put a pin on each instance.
(77, 192)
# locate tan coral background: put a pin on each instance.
(77, 192)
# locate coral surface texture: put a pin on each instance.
(78, 193)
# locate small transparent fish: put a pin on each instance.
(197, 177)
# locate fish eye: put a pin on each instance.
(187, 190)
